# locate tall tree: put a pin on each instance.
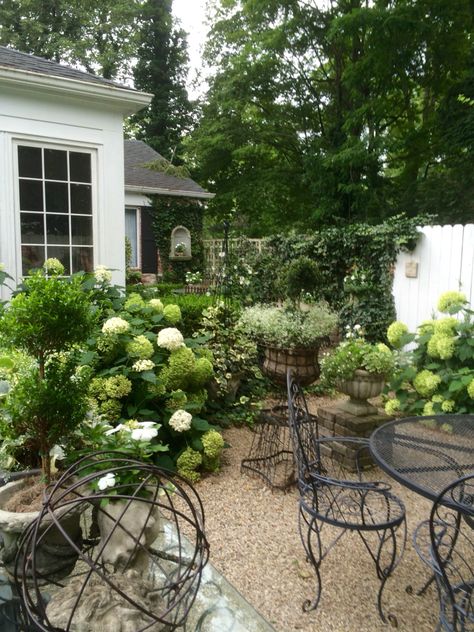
(324, 112)
(161, 69)
(100, 37)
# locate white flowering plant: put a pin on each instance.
(192, 278)
(437, 375)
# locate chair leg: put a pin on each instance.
(309, 531)
(386, 559)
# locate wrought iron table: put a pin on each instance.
(425, 453)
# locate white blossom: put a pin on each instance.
(143, 365)
(145, 431)
(115, 325)
(181, 420)
(106, 481)
(156, 304)
(170, 338)
(102, 274)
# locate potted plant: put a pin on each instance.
(359, 369)
(47, 319)
(290, 336)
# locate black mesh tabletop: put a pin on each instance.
(426, 453)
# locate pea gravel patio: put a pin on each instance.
(255, 543)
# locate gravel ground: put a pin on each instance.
(255, 543)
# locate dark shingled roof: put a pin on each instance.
(137, 153)
(16, 60)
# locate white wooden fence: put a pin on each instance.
(443, 260)
(213, 248)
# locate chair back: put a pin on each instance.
(304, 435)
(451, 526)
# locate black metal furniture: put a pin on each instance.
(331, 497)
(445, 543)
(425, 453)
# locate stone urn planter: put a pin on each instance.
(360, 388)
(56, 557)
(303, 360)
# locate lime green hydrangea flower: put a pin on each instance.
(172, 313)
(470, 389)
(395, 332)
(197, 400)
(383, 348)
(448, 406)
(451, 302)
(203, 371)
(97, 388)
(53, 267)
(177, 399)
(445, 326)
(187, 463)
(111, 409)
(117, 386)
(441, 346)
(180, 367)
(426, 327)
(392, 406)
(213, 444)
(156, 305)
(426, 383)
(134, 302)
(437, 399)
(428, 409)
(140, 347)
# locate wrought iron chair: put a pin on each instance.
(445, 543)
(331, 497)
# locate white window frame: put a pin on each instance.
(138, 216)
(66, 145)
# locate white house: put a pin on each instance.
(61, 165)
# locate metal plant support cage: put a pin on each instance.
(161, 593)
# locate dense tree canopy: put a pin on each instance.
(161, 69)
(342, 110)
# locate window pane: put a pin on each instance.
(56, 197)
(55, 164)
(57, 229)
(31, 195)
(81, 198)
(82, 259)
(29, 162)
(32, 228)
(82, 230)
(31, 257)
(79, 167)
(61, 253)
(131, 233)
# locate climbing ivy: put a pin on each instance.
(169, 212)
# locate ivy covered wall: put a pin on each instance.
(169, 212)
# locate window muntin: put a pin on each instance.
(56, 207)
(131, 231)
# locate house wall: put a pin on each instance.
(47, 117)
(442, 260)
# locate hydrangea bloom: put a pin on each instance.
(181, 420)
(441, 346)
(203, 371)
(445, 326)
(111, 409)
(177, 399)
(426, 327)
(115, 325)
(2, 267)
(106, 481)
(426, 383)
(470, 389)
(102, 274)
(140, 347)
(448, 406)
(170, 338)
(428, 409)
(172, 313)
(143, 365)
(395, 331)
(451, 302)
(188, 462)
(392, 406)
(53, 266)
(180, 367)
(117, 386)
(213, 443)
(156, 304)
(134, 301)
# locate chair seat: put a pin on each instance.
(361, 508)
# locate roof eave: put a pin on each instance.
(201, 195)
(121, 99)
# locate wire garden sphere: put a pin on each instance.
(139, 560)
